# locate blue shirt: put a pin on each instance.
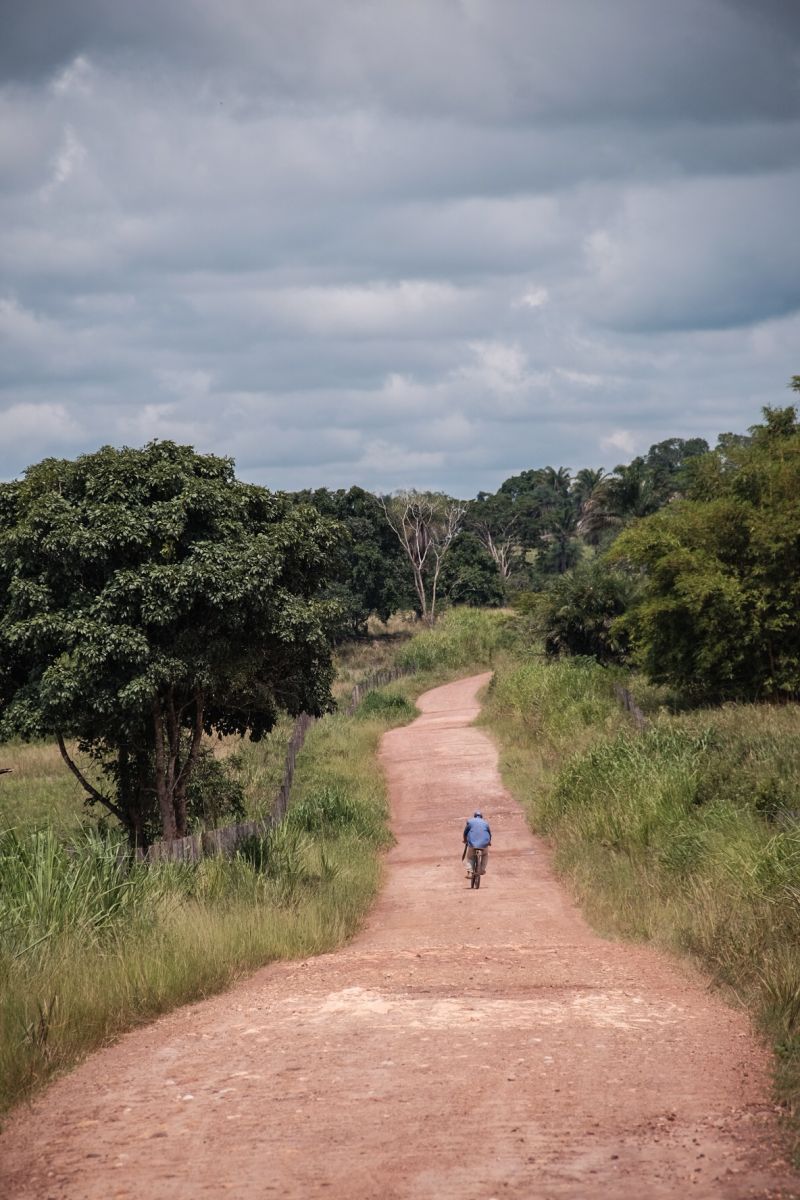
(477, 833)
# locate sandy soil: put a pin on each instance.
(468, 1043)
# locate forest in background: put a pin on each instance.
(160, 622)
(149, 600)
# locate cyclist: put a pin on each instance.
(477, 836)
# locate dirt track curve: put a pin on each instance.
(470, 1044)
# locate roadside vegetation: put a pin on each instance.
(92, 943)
(162, 624)
(686, 835)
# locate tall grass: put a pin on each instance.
(91, 944)
(462, 637)
(687, 835)
(258, 766)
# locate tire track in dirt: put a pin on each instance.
(482, 1044)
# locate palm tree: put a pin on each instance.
(585, 483)
(557, 481)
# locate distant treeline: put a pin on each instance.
(149, 598)
(537, 526)
(685, 561)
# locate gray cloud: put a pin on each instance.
(428, 243)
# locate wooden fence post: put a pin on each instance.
(629, 704)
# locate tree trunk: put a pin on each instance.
(419, 585)
(163, 793)
(182, 779)
(437, 569)
(119, 812)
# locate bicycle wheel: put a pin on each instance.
(474, 877)
(477, 875)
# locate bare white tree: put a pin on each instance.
(498, 541)
(425, 524)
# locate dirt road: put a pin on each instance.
(468, 1043)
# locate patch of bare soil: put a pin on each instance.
(468, 1043)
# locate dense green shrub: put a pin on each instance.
(380, 703)
(718, 614)
(578, 612)
(462, 637)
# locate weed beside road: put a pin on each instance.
(686, 835)
(92, 944)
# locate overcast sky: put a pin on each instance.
(396, 242)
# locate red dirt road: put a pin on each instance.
(468, 1043)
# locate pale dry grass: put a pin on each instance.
(39, 790)
(193, 929)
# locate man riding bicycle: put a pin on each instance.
(477, 836)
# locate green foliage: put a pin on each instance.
(47, 889)
(332, 809)
(215, 793)
(546, 518)
(383, 704)
(718, 613)
(558, 701)
(639, 488)
(469, 576)
(462, 637)
(369, 574)
(578, 611)
(146, 597)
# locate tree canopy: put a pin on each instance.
(148, 597)
(721, 572)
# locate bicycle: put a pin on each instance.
(477, 863)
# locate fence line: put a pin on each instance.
(226, 840)
(377, 679)
(629, 704)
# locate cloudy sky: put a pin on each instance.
(395, 242)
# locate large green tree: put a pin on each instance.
(148, 597)
(470, 576)
(532, 516)
(370, 573)
(639, 488)
(721, 572)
